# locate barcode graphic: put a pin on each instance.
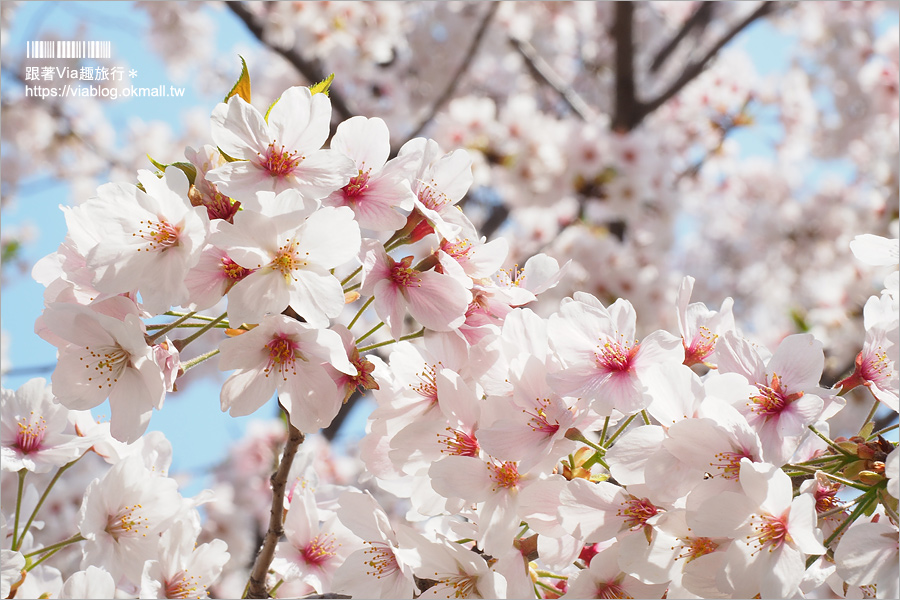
(68, 49)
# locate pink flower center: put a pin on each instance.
(769, 532)
(875, 366)
(319, 550)
(31, 434)
(616, 357)
(234, 271)
(433, 198)
(357, 185)
(128, 522)
(279, 162)
(695, 547)
(380, 559)
(183, 585)
(826, 498)
(772, 399)
(162, 235)
(539, 421)
(403, 275)
(506, 475)
(636, 511)
(458, 250)
(611, 589)
(283, 354)
(701, 347)
(730, 463)
(459, 443)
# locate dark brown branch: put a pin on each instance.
(694, 69)
(699, 20)
(256, 587)
(626, 115)
(309, 69)
(332, 430)
(454, 80)
(545, 74)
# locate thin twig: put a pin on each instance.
(700, 18)
(309, 69)
(544, 73)
(257, 585)
(694, 69)
(454, 80)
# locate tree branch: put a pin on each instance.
(545, 74)
(699, 19)
(694, 69)
(627, 112)
(311, 70)
(256, 587)
(453, 82)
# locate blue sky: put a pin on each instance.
(191, 419)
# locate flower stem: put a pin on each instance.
(360, 312)
(40, 503)
(840, 480)
(172, 313)
(351, 276)
(885, 430)
(620, 430)
(603, 432)
(198, 359)
(830, 443)
(170, 326)
(864, 501)
(54, 547)
(180, 344)
(645, 417)
(22, 473)
(871, 414)
(369, 332)
(418, 334)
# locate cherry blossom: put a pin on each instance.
(380, 189)
(142, 239)
(289, 357)
(281, 151)
(284, 260)
(37, 434)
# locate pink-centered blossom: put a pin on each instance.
(602, 361)
(279, 151)
(787, 398)
(437, 301)
(380, 189)
(773, 532)
(316, 542)
(287, 356)
(37, 433)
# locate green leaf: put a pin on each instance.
(225, 156)
(242, 85)
(186, 168)
(322, 87)
(271, 106)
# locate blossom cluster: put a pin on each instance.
(512, 453)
